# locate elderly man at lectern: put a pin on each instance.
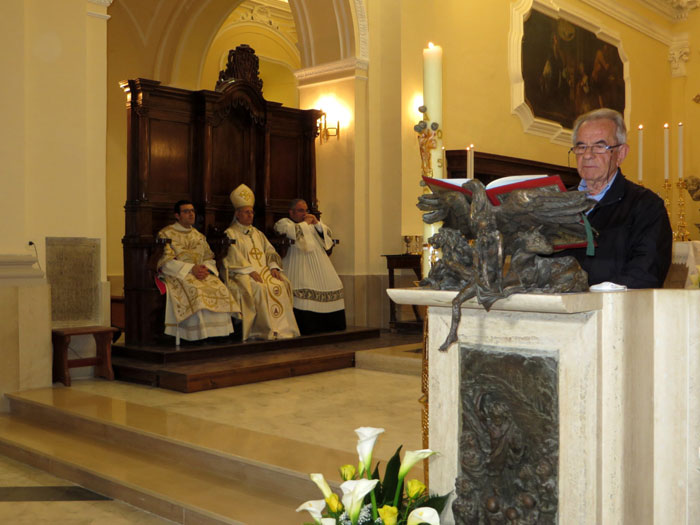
(635, 238)
(319, 305)
(254, 276)
(198, 304)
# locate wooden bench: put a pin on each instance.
(103, 352)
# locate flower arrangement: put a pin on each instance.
(368, 500)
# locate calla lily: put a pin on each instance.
(314, 507)
(415, 488)
(354, 492)
(328, 521)
(367, 437)
(423, 515)
(389, 515)
(322, 484)
(347, 472)
(411, 458)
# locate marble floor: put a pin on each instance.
(319, 409)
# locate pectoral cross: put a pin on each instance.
(255, 253)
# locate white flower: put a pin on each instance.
(367, 437)
(322, 484)
(314, 507)
(354, 492)
(411, 458)
(423, 515)
(328, 521)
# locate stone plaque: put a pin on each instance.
(509, 441)
(73, 271)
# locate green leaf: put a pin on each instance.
(391, 479)
(436, 502)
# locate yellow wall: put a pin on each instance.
(53, 131)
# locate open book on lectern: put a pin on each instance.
(498, 190)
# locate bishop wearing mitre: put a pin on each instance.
(254, 276)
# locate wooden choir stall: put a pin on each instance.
(200, 145)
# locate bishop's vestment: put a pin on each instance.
(195, 309)
(266, 308)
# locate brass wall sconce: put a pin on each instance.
(324, 132)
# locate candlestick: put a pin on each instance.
(666, 151)
(681, 232)
(640, 153)
(680, 151)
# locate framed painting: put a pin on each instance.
(568, 70)
(563, 65)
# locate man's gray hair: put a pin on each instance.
(603, 114)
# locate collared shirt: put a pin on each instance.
(583, 186)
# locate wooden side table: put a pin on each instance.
(103, 355)
(405, 260)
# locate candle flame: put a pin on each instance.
(641, 126)
(471, 145)
(666, 125)
(431, 45)
(680, 123)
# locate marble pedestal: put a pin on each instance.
(627, 374)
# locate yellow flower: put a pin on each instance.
(388, 514)
(333, 503)
(415, 488)
(347, 472)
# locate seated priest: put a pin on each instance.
(198, 304)
(254, 276)
(318, 292)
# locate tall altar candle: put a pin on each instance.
(680, 150)
(471, 161)
(640, 153)
(467, 164)
(666, 151)
(432, 98)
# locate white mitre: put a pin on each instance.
(242, 196)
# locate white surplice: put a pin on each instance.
(315, 283)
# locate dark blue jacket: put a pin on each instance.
(635, 241)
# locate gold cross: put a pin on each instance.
(256, 254)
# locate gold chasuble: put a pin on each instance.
(266, 308)
(195, 309)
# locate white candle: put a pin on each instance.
(640, 153)
(666, 151)
(467, 164)
(471, 160)
(432, 97)
(680, 150)
(432, 100)
(444, 162)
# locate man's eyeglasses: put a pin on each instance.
(596, 149)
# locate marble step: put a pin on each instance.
(173, 465)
